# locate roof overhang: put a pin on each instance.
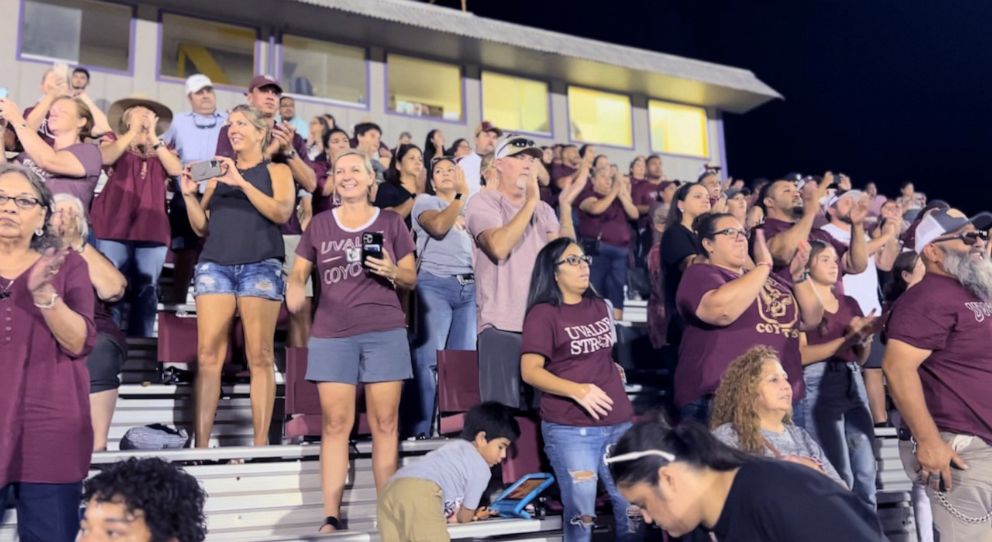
(446, 34)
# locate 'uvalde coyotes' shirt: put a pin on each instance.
(576, 342)
(352, 299)
(707, 350)
(940, 315)
(777, 501)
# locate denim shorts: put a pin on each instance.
(260, 279)
(376, 356)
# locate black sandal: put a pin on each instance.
(332, 521)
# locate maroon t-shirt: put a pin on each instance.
(834, 325)
(940, 315)
(773, 227)
(292, 226)
(610, 227)
(132, 205)
(45, 430)
(576, 342)
(352, 299)
(560, 170)
(644, 192)
(707, 350)
(82, 187)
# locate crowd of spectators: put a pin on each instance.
(764, 305)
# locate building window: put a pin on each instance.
(515, 104)
(424, 88)
(323, 70)
(77, 32)
(223, 52)
(599, 117)
(678, 129)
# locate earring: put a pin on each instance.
(39, 232)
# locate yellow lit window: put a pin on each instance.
(424, 88)
(324, 70)
(515, 104)
(599, 117)
(678, 129)
(223, 52)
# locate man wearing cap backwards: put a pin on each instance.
(938, 362)
(510, 225)
(789, 221)
(193, 135)
(485, 137)
(286, 147)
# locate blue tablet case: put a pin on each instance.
(507, 507)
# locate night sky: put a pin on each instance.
(883, 90)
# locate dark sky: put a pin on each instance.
(882, 90)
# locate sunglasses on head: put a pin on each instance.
(521, 143)
(633, 456)
(969, 238)
(437, 159)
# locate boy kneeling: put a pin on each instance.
(447, 482)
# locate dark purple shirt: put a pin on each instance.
(940, 315)
(292, 226)
(45, 431)
(707, 350)
(352, 299)
(833, 326)
(773, 227)
(576, 342)
(131, 206)
(644, 192)
(610, 227)
(82, 187)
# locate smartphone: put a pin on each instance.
(62, 69)
(4, 93)
(205, 170)
(371, 246)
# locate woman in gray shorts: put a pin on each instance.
(359, 330)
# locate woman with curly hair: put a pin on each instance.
(752, 411)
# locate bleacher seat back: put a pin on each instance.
(457, 380)
(525, 454)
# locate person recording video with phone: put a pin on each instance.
(363, 255)
(240, 268)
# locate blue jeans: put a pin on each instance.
(576, 454)
(837, 416)
(697, 410)
(446, 322)
(45, 512)
(608, 273)
(141, 263)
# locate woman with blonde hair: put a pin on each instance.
(752, 411)
(240, 268)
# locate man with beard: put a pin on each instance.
(789, 221)
(939, 367)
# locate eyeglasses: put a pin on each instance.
(733, 232)
(206, 126)
(23, 202)
(969, 238)
(634, 456)
(436, 159)
(575, 261)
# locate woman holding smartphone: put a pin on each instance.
(359, 332)
(240, 268)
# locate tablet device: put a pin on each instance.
(512, 501)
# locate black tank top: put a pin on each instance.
(239, 233)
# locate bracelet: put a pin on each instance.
(156, 146)
(769, 264)
(802, 278)
(51, 304)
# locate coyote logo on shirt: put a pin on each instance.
(778, 311)
(350, 267)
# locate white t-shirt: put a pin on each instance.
(472, 167)
(863, 287)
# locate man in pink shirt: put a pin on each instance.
(510, 225)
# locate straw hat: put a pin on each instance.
(116, 114)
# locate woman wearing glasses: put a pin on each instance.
(568, 336)
(728, 309)
(836, 402)
(445, 284)
(684, 478)
(46, 304)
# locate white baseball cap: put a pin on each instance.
(198, 82)
(512, 145)
(943, 221)
(830, 200)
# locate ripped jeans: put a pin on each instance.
(576, 454)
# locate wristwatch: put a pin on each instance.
(157, 145)
(802, 278)
(290, 154)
